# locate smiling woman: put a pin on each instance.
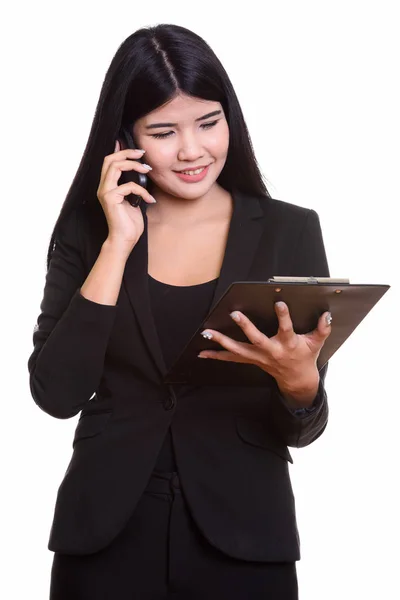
(173, 489)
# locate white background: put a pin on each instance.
(319, 87)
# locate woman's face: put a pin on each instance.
(185, 134)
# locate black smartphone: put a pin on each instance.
(126, 176)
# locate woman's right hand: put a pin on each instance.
(125, 222)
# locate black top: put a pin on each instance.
(177, 311)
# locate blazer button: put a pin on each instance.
(170, 403)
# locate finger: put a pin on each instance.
(117, 146)
(118, 155)
(224, 356)
(285, 328)
(324, 326)
(254, 335)
(115, 169)
(133, 188)
(113, 174)
(323, 329)
(237, 348)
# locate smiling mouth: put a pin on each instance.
(193, 171)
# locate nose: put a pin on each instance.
(190, 148)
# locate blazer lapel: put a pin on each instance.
(243, 239)
(136, 283)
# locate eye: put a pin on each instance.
(161, 135)
(205, 126)
(210, 124)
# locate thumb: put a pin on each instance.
(322, 331)
(323, 328)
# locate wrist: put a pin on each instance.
(300, 393)
(117, 248)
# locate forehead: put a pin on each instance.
(181, 109)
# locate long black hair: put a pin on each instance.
(149, 68)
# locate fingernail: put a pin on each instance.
(207, 335)
(280, 305)
(140, 150)
(235, 316)
(147, 166)
(201, 356)
(328, 319)
(153, 199)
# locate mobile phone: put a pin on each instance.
(126, 176)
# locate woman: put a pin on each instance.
(180, 490)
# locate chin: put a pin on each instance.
(195, 193)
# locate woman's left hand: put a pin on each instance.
(289, 357)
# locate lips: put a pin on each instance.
(192, 168)
(193, 178)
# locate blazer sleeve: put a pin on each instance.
(72, 332)
(301, 427)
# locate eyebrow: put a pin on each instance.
(207, 116)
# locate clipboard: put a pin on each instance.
(306, 297)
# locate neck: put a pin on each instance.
(176, 211)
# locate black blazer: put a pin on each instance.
(106, 361)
